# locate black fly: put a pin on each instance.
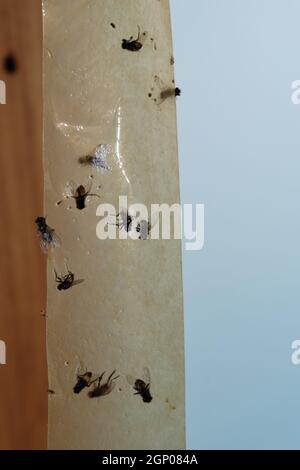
(98, 157)
(83, 381)
(124, 220)
(47, 234)
(169, 92)
(142, 387)
(144, 229)
(101, 390)
(65, 281)
(79, 193)
(162, 91)
(134, 45)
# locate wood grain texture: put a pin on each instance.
(23, 380)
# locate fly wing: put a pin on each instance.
(111, 387)
(144, 229)
(123, 220)
(159, 83)
(107, 389)
(44, 244)
(78, 281)
(47, 238)
(79, 368)
(55, 240)
(88, 186)
(130, 379)
(123, 217)
(100, 155)
(70, 189)
(142, 37)
(147, 376)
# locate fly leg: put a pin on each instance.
(97, 379)
(139, 34)
(110, 379)
(57, 277)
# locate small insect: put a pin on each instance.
(65, 281)
(47, 235)
(134, 45)
(101, 390)
(143, 228)
(51, 392)
(160, 91)
(142, 387)
(169, 92)
(113, 25)
(79, 193)
(124, 220)
(83, 381)
(98, 158)
(172, 60)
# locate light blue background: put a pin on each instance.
(239, 142)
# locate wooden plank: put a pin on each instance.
(23, 380)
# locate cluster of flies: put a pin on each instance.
(80, 193)
(97, 159)
(141, 387)
(48, 238)
(135, 45)
(101, 388)
(127, 221)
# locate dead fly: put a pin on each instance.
(143, 228)
(134, 45)
(83, 381)
(142, 387)
(101, 390)
(65, 281)
(47, 235)
(124, 220)
(98, 158)
(79, 193)
(161, 91)
(169, 92)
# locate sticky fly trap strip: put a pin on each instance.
(114, 306)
